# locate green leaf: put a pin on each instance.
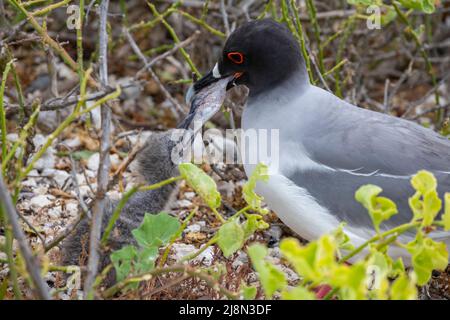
(123, 260)
(203, 184)
(404, 288)
(424, 182)
(427, 255)
(313, 261)
(342, 239)
(425, 203)
(388, 16)
(248, 292)
(426, 6)
(446, 215)
(378, 268)
(156, 230)
(298, 293)
(272, 278)
(397, 268)
(254, 222)
(379, 208)
(362, 2)
(230, 237)
(146, 259)
(351, 281)
(260, 173)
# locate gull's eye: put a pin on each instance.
(236, 57)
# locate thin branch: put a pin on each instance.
(30, 261)
(142, 57)
(223, 11)
(67, 101)
(168, 53)
(103, 169)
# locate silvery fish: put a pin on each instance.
(206, 102)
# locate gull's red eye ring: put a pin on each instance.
(236, 57)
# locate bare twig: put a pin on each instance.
(186, 270)
(103, 169)
(418, 102)
(438, 108)
(142, 57)
(32, 266)
(168, 53)
(223, 11)
(67, 101)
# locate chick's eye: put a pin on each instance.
(236, 57)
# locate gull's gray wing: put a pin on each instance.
(357, 147)
(346, 137)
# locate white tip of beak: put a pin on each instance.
(215, 72)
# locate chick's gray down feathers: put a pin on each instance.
(153, 163)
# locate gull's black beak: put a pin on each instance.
(204, 95)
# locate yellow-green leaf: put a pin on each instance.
(156, 230)
(260, 173)
(446, 215)
(404, 288)
(351, 281)
(248, 292)
(427, 255)
(272, 278)
(230, 237)
(203, 184)
(298, 293)
(424, 181)
(379, 208)
(425, 203)
(312, 261)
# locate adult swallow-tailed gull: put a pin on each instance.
(328, 147)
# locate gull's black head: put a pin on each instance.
(261, 54)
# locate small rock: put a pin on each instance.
(115, 160)
(33, 173)
(94, 162)
(193, 228)
(206, 257)
(85, 191)
(291, 275)
(13, 137)
(189, 195)
(42, 190)
(46, 161)
(30, 182)
(183, 203)
(240, 260)
(81, 179)
(181, 249)
(40, 201)
(55, 212)
(273, 235)
(114, 195)
(72, 143)
(72, 208)
(60, 176)
(130, 93)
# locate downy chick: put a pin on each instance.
(153, 163)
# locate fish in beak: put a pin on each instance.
(206, 96)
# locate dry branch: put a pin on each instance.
(30, 261)
(103, 169)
